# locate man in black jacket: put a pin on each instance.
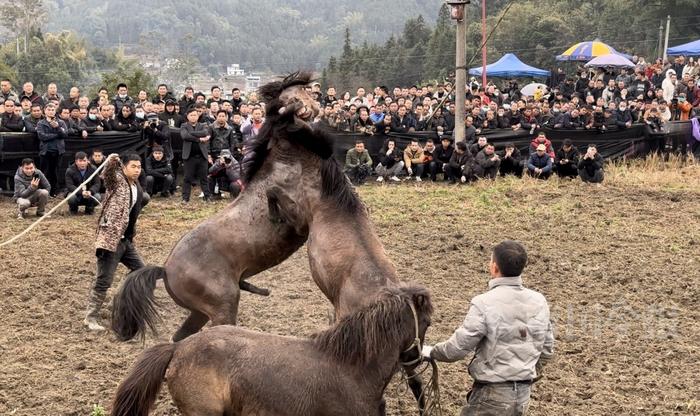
(76, 174)
(195, 150)
(487, 163)
(159, 173)
(34, 117)
(441, 158)
(590, 167)
(157, 133)
(511, 161)
(9, 121)
(566, 161)
(51, 132)
(460, 165)
(221, 134)
(623, 116)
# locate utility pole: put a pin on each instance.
(457, 12)
(668, 29)
(660, 53)
(483, 44)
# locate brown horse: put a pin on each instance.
(232, 371)
(207, 268)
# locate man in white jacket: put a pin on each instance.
(669, 85)
(509, 330)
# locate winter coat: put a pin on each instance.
(354, 159)
(11, 123)
(158, 168)
(23, 184)
(51, 139)
(116, 220)
(543, 162)
(74, 179)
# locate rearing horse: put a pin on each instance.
(295, 190)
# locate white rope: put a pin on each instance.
(65, 200)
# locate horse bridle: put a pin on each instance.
(416, 341)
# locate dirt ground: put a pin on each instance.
(619, 265)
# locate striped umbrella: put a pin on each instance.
(585, 51)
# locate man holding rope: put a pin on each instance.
(115, 229)
(509, 330)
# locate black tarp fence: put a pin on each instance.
(636, 141)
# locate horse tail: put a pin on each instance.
(134, 305)
(139, 390)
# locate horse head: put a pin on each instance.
(289, 96)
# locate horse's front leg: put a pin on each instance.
(415, 383)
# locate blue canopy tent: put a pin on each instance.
(509, 66)
(691, 48)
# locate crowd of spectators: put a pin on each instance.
(215, 127)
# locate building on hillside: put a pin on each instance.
(235, 70)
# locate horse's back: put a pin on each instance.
(247, 372)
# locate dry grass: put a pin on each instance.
(675, 172)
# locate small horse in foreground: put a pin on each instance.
(227, 370)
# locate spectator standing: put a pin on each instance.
(9, 120)
(195, 150)
(51, 132)
(122, 98)
(508, 329)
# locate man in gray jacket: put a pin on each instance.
(509, 330)
(31, 189)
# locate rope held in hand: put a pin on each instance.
(65, 200)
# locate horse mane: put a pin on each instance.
(334, 184)
(359, 338)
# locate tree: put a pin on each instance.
(23, 17)
(130, 73)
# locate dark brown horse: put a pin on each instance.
(232, 371)
(207, 268)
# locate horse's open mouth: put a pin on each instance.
(305, 113)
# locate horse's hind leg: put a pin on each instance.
(191, 326)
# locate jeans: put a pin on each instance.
(196, 171)
(389, 172)
(78, 200)
(498, 399)
(107, 262)
(48, 163)
(417, 170)
(435, 167)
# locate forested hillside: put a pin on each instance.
(260, 34)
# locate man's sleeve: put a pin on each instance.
(465, 338)
(547, 347)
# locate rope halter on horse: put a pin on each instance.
(417, 344)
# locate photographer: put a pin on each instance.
(221, 136)
(157, 133)
(225, 172)
(590, 167)
(31, 189)
(159, 173)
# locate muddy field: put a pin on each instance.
(619, 265)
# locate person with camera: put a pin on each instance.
(159, 173)
(509, 331)
(195, 152)
(590, 167)
(157, 133)
(76, 174)
(31, 189)
(391, 162)
(226, 173)
(221, 136)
